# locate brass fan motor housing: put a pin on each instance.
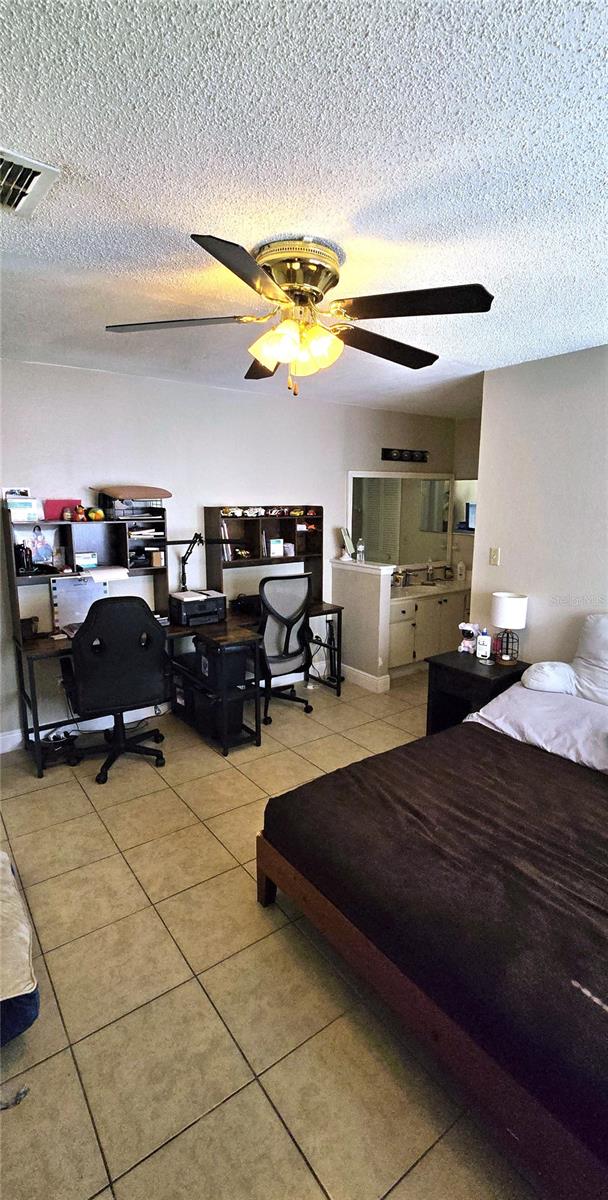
(305, 268)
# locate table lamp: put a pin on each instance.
(508, 613)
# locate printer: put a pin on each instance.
(197, 608)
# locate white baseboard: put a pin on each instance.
(373, 683)
(12, 739)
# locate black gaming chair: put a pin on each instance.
(284, 603)
(118, 663)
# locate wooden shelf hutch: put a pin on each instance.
(251, 534)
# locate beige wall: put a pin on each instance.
(543, 496)
(67, 430)
(466, 447)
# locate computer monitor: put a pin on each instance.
(471, 513)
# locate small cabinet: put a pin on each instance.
(428, 626)
(402, 632)
(423, 627)
(401, 643)
(452, 613)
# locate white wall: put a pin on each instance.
(66, 431)
(543, 496)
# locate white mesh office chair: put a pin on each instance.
(284, 602)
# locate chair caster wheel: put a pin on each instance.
(266, 720)
(292, 692)
(159, 737)
(308, 708)
(74, 761)
(160, 762)
(102, 777)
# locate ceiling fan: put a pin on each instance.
(294, 273)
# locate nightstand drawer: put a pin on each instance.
(453, 683)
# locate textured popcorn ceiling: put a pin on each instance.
(438, 141)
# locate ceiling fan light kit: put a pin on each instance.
(294, 273)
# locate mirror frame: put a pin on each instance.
(412, 566)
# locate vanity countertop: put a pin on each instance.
(416, 590)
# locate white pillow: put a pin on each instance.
(591, 660)
(565, 725)
(587, 675)
(550, 677)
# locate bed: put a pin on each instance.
(464, 875)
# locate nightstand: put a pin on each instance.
(460, 684)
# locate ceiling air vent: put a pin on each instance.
(23, 182)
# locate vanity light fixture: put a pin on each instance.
(393, 455)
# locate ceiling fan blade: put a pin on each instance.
(258, 371)
(426, 302)
(382, 347)
(241, 263)
(145, 325)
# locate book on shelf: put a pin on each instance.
(226, 549)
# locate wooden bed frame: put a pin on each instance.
(551, 1155)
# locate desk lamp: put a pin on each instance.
(197, 539)
(508, 613)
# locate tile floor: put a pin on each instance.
(192, 1044)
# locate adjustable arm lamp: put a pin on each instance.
(197, 539)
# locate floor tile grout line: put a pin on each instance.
(69, 1049)
(97, 929)
(189, 886)
(137, 1008)
(309, 1037)
(148, 841)
(212, 816)
(174, 1136)
(386, 1195)
(293, 1138)
(69, 870)
(52, 824)
(90, 1112)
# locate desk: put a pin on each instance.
(237, 628)
(320, 608)
(28, 653)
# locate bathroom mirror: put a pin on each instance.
(402, 518)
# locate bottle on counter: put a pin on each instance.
(360, 551)
(483, 648)
(461, 571)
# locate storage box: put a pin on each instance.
(85, 559)
(198, 707)
(53, 509)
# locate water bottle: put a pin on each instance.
(360, 551)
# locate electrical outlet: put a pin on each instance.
(494, 556)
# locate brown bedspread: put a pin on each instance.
(479, 865)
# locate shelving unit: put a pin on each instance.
(248, 533)
(110, 539)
